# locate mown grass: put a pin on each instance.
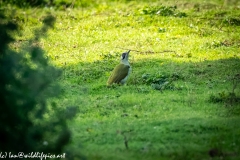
(139, 121)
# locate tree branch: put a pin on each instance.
(148, 52)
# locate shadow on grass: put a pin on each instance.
(218, 75)
(151, 137)
(189, 138)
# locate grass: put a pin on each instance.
(139, 121)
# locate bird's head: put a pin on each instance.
(125, 55)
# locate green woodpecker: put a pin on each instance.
(121, 71)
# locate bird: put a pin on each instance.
(121, 72)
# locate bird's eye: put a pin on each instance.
(123, 56)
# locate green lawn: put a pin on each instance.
(176, 105)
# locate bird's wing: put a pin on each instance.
(121, 71)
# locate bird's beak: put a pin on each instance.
(128, 52)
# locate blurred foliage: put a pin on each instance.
(161, 81)
(29, 122)
(163, 11)
(229, 98)
(50, 3)
(232, 21)
(225, 97)
(56, 3)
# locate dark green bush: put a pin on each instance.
(28, 122)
